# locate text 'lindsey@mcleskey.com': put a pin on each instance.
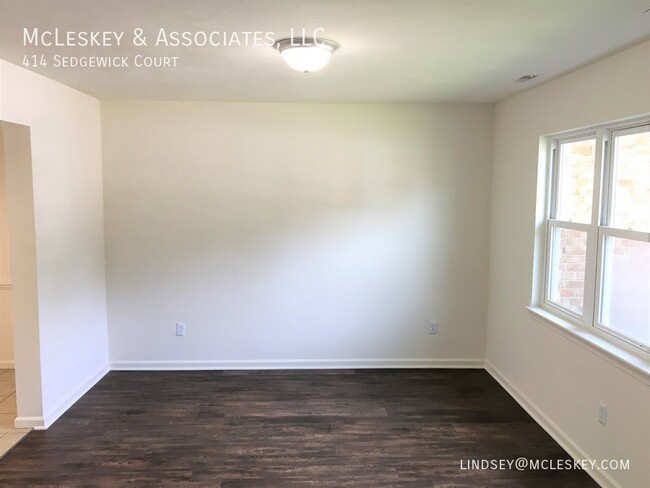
(525, 464)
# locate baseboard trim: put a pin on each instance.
(6, 364)
(562, 438)
(55, 413)
(295, 364)
(36, 423)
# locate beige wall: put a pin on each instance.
(69, 236)
(563, 380)
(296, 235)
(6, 329)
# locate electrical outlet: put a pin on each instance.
(602, 413)
(433, 327)
(180, 329)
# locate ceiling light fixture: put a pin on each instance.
(306, 54)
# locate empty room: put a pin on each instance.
(325, 243)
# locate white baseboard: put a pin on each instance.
(37, 423)
(562, 438)
(51, 417)
(295, 364)
(6, 364)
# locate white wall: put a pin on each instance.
(67, 188)
(563, 381)
(296, 235)
(16, 168)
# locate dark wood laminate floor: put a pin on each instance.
(361, 428)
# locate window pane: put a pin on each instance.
(576, 181)
(568, 257)
(626, 288)
(632, 182)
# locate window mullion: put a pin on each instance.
(633, 235)
(591, 259)
(567, 224)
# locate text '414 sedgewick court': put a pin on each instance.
(110, 62)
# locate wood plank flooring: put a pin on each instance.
(285, 429)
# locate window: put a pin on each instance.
(597, 265)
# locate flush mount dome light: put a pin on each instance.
(306, 54)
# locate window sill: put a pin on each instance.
(628, 362)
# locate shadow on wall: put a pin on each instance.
(268, 254)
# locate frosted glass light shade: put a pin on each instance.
(306, 55)
(307, 59)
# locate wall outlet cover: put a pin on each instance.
(602, 413)
(180, 329)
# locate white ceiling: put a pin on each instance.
(391, 50)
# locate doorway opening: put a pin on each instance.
(18, 311)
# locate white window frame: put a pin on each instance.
(597, 230)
